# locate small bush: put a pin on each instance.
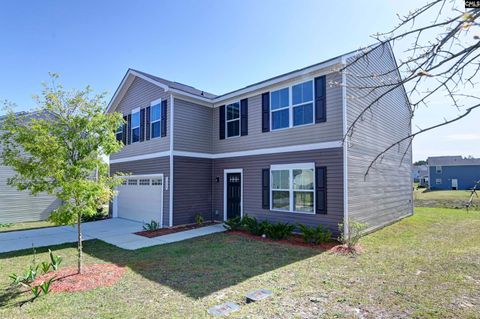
(54, 260)
(315, 235)
(199, 219)
(234, 223)
(30, 274)
(254, 226)
(279, 231)
(16, 279)
(45, 266)
(355, 230)
(152, 225)
(45, 285)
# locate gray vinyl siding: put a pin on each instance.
(192, 189)
(140, 94)
(331, 130)
(159, 165)
(193, 127)
(386, 193)
(252, 185)
(20, 206)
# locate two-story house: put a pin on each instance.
(273, 149)
(453, 172)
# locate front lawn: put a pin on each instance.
(426, 266)
(25, 225)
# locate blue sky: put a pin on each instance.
(216, 46)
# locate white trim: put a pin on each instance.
(170, 200)
(345, 149)
(115, 199)
(156, 102)
(291, 190)
(225, 172)
(140, 157)
(191, 98)
(196, 97)
(263, 151)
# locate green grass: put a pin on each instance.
(25, 225)
(443, 198)
(425, 266)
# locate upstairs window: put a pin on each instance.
(119, 133)
(155, 117)
(135, 126)
(438, 169)
(233, 119)
(292, 106)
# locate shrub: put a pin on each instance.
(199, 219)
(45, 285)
(36, 291)
(152, 225)
(279, 231)
(315, 235)
(16, 279)
(355, 230)
(234, 223)
(45, 266)
(30, 274)
(54, 260)
(254, 226)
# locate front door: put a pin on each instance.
(234, 195)
(454, 184)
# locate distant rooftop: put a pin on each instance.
(452, 160)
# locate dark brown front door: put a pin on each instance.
(234, 194)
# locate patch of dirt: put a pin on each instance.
(344, 249)
(93, 276)
(171, 230)
(294, 240)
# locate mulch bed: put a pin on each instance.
(93, 276)
(166, 231)
(294, 240)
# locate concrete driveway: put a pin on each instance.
(115, 231)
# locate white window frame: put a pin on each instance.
(152, 104)
(291, 190)
(135, 111)
(438, 169)
(438, 181)
(237, 119)
(291, 106)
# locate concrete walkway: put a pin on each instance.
(115, 231)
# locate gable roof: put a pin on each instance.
(452, 161)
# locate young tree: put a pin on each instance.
(58, 149)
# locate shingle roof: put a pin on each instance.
(452, 160)
(178, 86)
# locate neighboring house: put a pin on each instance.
(453, 172)
(20, 206)
(420, 174)
(272, 150)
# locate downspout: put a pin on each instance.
(345, 148)
(170, 199)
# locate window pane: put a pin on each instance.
(280, 119)
(233, 111)
(119, 136)
(155, 113)
(120, 129)
(155, 129)
(302, 93)
(281, 200)
(303, 114)
(280, 179)
(303, 201)
(233, 128)
(279, 99)
(303, 179)
(136, 119)
(135, 135)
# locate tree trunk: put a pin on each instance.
(80, 252)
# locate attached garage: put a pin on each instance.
(19, 206)
(140, 198)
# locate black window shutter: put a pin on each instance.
(124, 133)
(266, 112)
(221, 124)
(266, 188)
(142, 125)
(321, 189)
(147, 123)
(129, 129)
(320, 99)
(244, 116)
(164, 119)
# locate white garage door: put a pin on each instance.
(140, 198)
